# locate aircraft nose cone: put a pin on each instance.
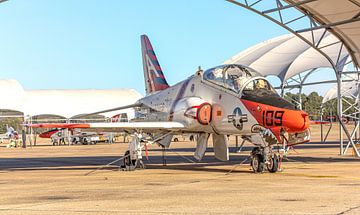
(299, 121)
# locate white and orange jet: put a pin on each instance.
(221, 101)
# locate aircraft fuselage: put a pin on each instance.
(229, 112)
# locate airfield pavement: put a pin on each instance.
(51, 180)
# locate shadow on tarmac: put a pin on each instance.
(173, 160)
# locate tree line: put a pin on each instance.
(312, 104)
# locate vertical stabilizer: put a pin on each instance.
(154, 77)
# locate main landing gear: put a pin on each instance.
(264, 157)
(133, 157)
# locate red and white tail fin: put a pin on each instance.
(154, 77)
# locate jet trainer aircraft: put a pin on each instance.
(221, 101)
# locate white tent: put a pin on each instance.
(64, 103)
(287, 56)
(70, 103)
(11, 95)
(340, 16)
(349, 89)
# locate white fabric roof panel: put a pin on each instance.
(311, 59)
(251, 54)
(286, 56)
(328, 12)
(11, 95)
(65, 103)
(69, 103)
(349, 89)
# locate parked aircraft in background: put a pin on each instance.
(224, 100)
(59, 136)
(10, 134)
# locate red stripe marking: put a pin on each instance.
(59, 125)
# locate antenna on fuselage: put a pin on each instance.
(199, 71)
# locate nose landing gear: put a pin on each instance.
(273, 164)
(263, 157)
(257, 163)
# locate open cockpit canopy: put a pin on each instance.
(231, 76)
(247, 83)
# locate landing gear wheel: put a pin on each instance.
(257, 163)
(191, 138)
(127, 160)
(273, 164)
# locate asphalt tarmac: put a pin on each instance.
(53, 180)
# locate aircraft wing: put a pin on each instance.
(114, 126)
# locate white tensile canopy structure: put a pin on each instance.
(12, 95)
(348, 89)
(72, 103)
(305, 19)
(65, 104)
(341, 17)
(287, 56)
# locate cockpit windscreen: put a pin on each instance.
(231, 76)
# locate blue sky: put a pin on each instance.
(91, 44)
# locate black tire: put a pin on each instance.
(273, 164)
(127, 160)
(257, 163)
(191, 138)
(255, 150)
(176, 139)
